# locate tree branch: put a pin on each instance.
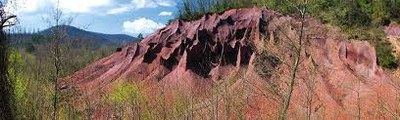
(7, 19)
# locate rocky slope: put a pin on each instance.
(341, 77)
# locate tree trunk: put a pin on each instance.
(295, 68)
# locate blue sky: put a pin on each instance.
(106, 16)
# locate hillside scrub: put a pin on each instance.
(194, 9)
(128, 101)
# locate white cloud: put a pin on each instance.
(89, 6)
(80, 6)
(165, 13)
(118, 10)
(141, 25)
(30, 5)
(25, 6)
(165, 3)
(140, 4)
(68, 6)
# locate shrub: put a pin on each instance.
(127, 93)
(194, 9)
(266, 63)
(393, 7)
(128, 99)
(385, 57)
(360, 20)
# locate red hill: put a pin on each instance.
(338, 78)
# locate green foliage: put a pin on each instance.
(377, 37)
(356, 13)
(30, 48)
(385, 57)
(19, 83)
(31, 70)
(170, 21)
(226, 5)
(361, 20)
(127, 93)
(393, 8)
(15, 74)
(32, 97)
(128, 96)
(342, 13)
(140, 36)
(283, 6)
(266, 63)
(354, 17)
(194, 9)
(380, 14)
(182, 104)
(222, 7)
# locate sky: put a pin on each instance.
(105, 16)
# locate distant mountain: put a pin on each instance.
(75, 35)
(100, 37)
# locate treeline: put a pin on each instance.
(358, 19)
(341, 12)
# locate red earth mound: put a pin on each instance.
(197, 54)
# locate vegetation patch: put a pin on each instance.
(266, 63)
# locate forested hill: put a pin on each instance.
(101, 37)
(78, 47)
(73, 35)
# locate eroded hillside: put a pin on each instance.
(250, 53)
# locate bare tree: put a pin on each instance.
(58, 33)
(6, 20)
(295, 66)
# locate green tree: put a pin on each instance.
(393, 9)
(140, 36)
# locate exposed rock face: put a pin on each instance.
(196, 54)
(181, 52)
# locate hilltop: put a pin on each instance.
(99, 37)
(73, 35)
